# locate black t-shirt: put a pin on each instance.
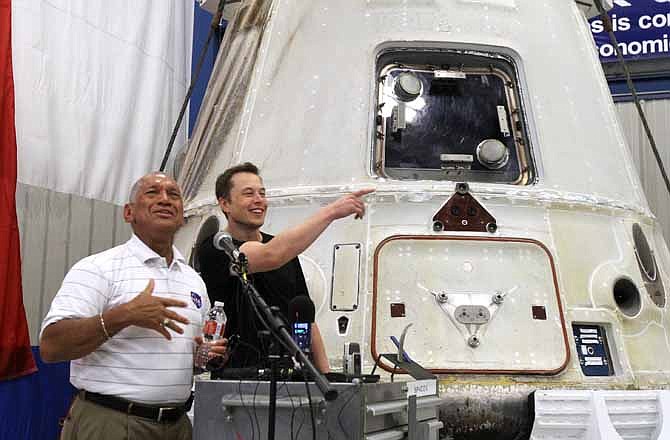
(277, 287)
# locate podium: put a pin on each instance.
(227, 409)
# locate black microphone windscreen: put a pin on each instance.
(301, 309)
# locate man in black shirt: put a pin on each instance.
(273, 262)
(278, 287)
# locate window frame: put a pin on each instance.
(393, 56)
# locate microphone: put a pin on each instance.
(223, 241)
(301, 313)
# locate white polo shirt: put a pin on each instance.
(137, 364)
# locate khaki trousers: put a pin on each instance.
(88, 421)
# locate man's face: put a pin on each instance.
(246, 205)
(157, 206)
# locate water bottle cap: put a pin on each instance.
(218, 304)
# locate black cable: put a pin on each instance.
(339, 414)
(284, 385)
(258, 426)
(608, 26)
(243, 308)
(248, 345)
(249, 303)
(248, 295)
(244, 407)
(290, 398)
(267, 325)
(215, 24)
(374, 368)
(302, 422)
(293, 410)
(261, 317)
(311, 407)
(245, 303)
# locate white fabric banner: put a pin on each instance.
(99, 85)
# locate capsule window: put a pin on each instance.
(648, 267)
(645, 256)
(450, 115)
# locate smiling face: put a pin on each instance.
(246, 204)
(156, 207)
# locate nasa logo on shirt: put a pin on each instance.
(197, 300)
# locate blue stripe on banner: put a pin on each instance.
(201, 22)
(31, 406)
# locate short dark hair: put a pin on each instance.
(224, 181)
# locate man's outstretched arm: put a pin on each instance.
(319, 351)
(293, 241)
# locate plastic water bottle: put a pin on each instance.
(213, 329)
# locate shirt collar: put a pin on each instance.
(144, 253)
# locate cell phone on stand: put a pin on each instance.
(302, 335)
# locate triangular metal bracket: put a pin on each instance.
(463, 212)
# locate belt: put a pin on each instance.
(165, 414)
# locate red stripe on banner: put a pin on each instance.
(16, 358)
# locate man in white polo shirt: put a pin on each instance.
(129, 318)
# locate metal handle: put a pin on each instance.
(378, 409)
(249, 400)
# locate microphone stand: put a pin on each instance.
(277, 327)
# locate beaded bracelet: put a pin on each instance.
(104, 329)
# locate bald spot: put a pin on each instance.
(135, 189)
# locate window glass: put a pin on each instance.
(450, 115)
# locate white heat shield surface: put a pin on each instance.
(508, 319)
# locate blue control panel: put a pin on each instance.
(592, 350)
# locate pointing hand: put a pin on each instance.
(350, 204)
